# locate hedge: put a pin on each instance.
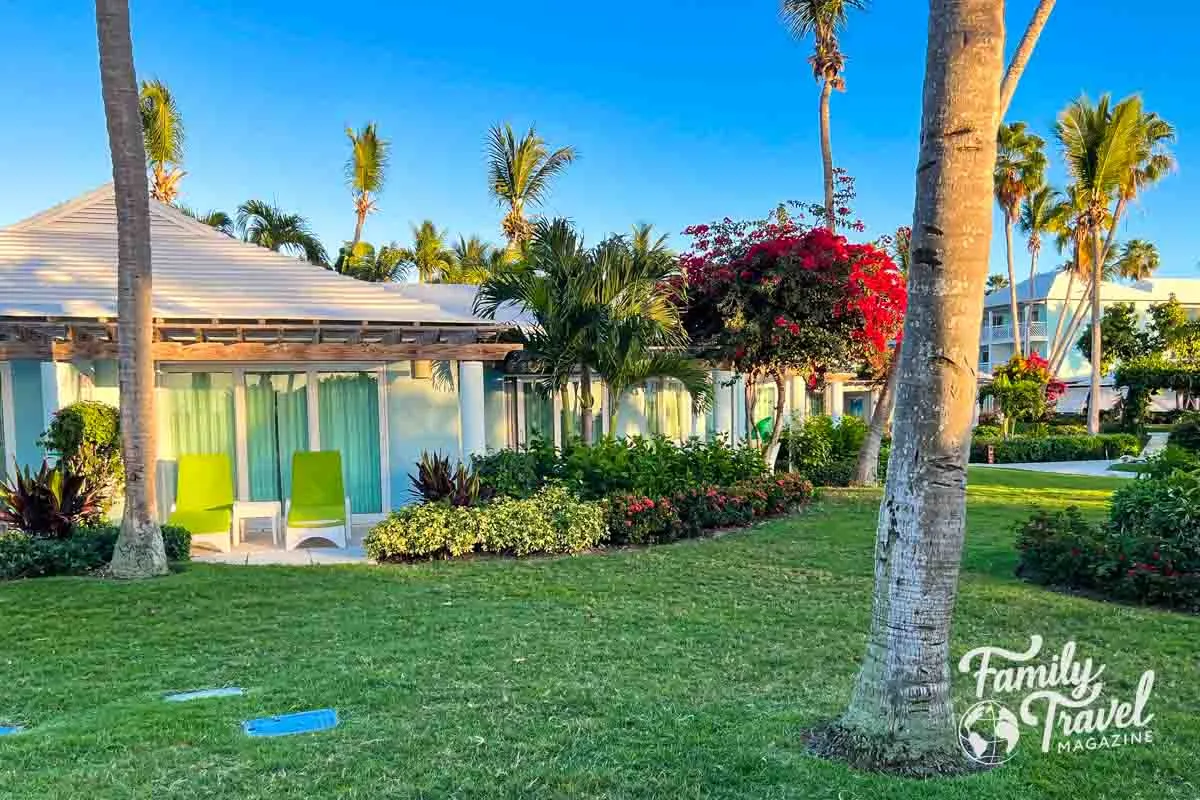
(1027, 449)
(88, 549)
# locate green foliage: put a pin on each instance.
(49, 503)
(87, 549)
(1147, 552)
(1171, 458)
(649, 466)
(86, 436)
(1121, 337)
(551, 521)
(1031, 449)
(436, 481)
(1186, 433)
(988, 431)
(824, 450)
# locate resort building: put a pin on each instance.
(259, 355)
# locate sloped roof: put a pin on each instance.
(62, 263)
(1053, 286)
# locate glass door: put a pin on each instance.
(195, 417)
(349, 423)
(276, 427)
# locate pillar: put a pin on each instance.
(471, 408)
(740, 412)
(722, 404)
(837, 403)
(799, 397)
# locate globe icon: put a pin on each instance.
(988, 733)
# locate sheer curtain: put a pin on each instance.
(349, 423)
(276, 427)
(195, 417)
(539, 413)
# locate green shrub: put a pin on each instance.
(1165, 462)
(815, 442)
(23, 556)
(834, 473)
(514, 473)
(1147, 552)
(988, 431)
(1027, 449)
(551, 521)
(1186, 433)
(87, 437)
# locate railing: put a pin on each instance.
(1003, 333)
(985, 366)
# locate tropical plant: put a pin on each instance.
(1040, 215)
(217, 220)
(1138, 261)
(139, 551)
(996, 282)
(436, 481)
(605, 311)
(1020, 171)
(520, 172)
(901, 716)
(267, 225)
(1101, 146)
(366, 169)
(473, 261)
(48, 503)
(823, 20)
(85, 438)
(366, 263)
(163, 136)
(428, 255)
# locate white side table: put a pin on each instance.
(255, 509)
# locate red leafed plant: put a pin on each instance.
(48, 503)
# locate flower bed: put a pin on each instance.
(1147, 552)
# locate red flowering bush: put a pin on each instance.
(1023, 389)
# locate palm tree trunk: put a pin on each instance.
(1033, 255)
(1021, 57)
(1081, 313)
(866, 472)
(358, 226)
(1012, 286)
(139, 551)
(1062, 316)
(827, 153)
(900, 716)
(585, 404)
(1094, 397)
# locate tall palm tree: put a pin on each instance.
(520, 172)
(1040, 213)
(366, 170)
(996, 282)
(428, 254)
(217, 220)
(474, 260)
(162, 132)
(823, 20)
(267, 225)
(1101, 146)
(139, 551)
(1020, 170)
(602, 312)
(1138, 260)
(366, 263)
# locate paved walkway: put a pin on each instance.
(1097, 469)
(301, 557)
(1157, 442)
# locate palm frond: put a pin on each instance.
(162, 124)
(520, 172)
(366, 168)
(266, 225)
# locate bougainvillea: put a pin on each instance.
(1023, 389)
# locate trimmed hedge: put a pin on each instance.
(88, 549)
(551, 521)
(1026, 449)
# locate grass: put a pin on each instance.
(675, 672)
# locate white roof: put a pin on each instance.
(1053, 286)
(62, 263)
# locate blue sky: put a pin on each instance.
(682, 112)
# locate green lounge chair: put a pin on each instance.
(204, 500)
(319, 507)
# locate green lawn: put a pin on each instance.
(677, 672)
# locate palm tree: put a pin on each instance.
(429, 254)
(604, 312)
(824, 20)
(266, 225)
(520, 172)
(1138, 261)
(217, 220)
(474, 260)
(366, 169)
(366, 263)
(139, 551)
(1040, 212)
(1020, 170)
(996, 282)
(1101, 146)
(162, 132)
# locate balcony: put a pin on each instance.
(1003, 333)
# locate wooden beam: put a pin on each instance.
(12, 350)
(269, 351)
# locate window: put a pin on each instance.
(984, 354)
(276, 428)
(676, 408)
(195, 417)
(349, 423)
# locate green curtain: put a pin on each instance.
(539, 414)
(276, 427)
(195, 417)
(349, 417)
(678, 407)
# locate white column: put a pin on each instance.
(799, 397)
(50, 391)
(836, 399)
(722, 403)
(740, 412)
(470, 408)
